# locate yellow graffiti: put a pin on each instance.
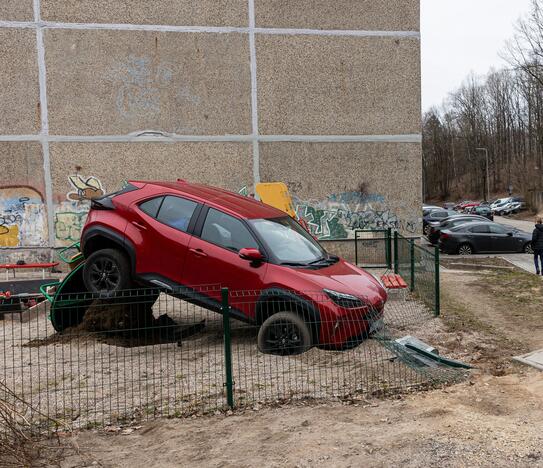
(10, 236)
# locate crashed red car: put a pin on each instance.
(175, 235)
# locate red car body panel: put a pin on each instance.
(187, 260)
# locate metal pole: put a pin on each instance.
(229, 384)
(388, 248)
(438, 285)
(412, 254)
(356, 248)
(396, 256)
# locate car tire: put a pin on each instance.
(528, 249)
(106, 273)
(465, 249)
(284, 334)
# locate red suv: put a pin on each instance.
(175, 235)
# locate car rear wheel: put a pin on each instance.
(106, 272)
(528, 248)
(465, 249)
(284, 334)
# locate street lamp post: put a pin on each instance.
(485, 150)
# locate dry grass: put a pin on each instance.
(19, 445)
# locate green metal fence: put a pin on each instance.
(419, 267)
(373, 248)
(147, 354)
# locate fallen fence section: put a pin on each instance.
(145, 354)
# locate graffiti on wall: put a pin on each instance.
(70, 215)
(85, 188)
(340, 215)
(23, 221)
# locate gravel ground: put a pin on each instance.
(92, 378)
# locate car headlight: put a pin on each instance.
(344, 300)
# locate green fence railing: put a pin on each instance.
(373, 248)
(419, 266)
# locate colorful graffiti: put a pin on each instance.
(70, 215)
(88, 188)
(68, 225)
(339, 216)
(23, 222)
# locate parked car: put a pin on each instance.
(449, 206)
(448, 223)
(466, 205)
(500, 203)
(427, 209)
(484, 211)
(486, 237)
(508, 208)
(436, 215)
(177, 235)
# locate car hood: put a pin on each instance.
(346, 278)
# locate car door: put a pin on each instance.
(163, 224)
(213, 257)
(500, 240)
(479, 236)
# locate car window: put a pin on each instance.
(497, 229)
(226, 231)
(176, 212)
(439, 214)
(150, 207)
(482, 229)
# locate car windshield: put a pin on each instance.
(289, 242)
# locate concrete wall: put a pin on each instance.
(322, 95)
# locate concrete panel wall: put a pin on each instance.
(119, 82)
(318, 86)
(16, 10)
(383, 15)
(341, 187)
(23, 213)
(327, 101)
(164, 12)
(19, 96)
(100, 168)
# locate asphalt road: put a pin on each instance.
(527, 226)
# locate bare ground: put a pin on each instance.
(494, 419)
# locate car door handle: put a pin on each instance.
(140, 226)
(198, 252)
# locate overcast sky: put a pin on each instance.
(459, 36)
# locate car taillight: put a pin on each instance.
(444, 236)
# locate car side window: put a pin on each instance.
(480, 229)
(176, 212)
(497, 229)
(226, 231)
(150, 207)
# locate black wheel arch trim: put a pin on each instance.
(99, 231)
(304, 306)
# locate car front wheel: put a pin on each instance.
(107, 272)
(528, 248)
(284, 334)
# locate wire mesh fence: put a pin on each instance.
(373, 248)
(420, 268)
(84, 361)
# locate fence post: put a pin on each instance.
(229, 384)
(396, 256)
(438, 283)
(388, 248)
(412, 256)
(356, 248)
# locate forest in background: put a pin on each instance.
(502, 112)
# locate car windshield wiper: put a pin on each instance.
(294, 264)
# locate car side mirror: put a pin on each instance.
(253, 255)
(510, 233)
